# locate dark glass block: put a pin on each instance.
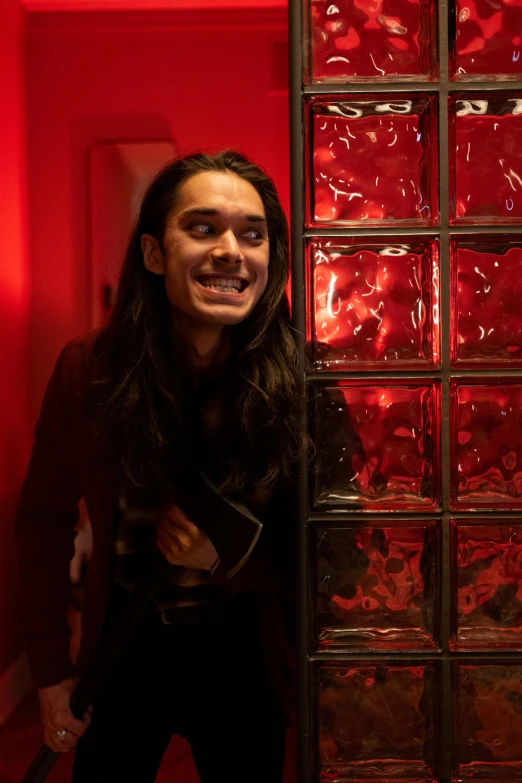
(353, 40)
(486, 301)
(487, 719)
(486, 445)
(377, 586)
(375, 159)
(377, 447)
(488, 38)
(378, 721)
(485, 159)
(486, 565)
(374, 304)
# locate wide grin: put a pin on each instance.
(225, 285)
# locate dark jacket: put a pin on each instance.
(67, 464)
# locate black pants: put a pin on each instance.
(203, 681)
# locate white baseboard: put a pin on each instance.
(15, 684)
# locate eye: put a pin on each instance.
(254, 234)
(202, 228)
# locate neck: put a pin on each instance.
(208, 346)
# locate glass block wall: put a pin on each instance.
(407, 298)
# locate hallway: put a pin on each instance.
(76, 144)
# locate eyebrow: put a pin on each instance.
(209, 211)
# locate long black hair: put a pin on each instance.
(136, 388)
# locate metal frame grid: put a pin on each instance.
(298, 92)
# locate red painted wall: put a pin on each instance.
(14, 310)
(203, 79)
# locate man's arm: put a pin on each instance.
(45, 522)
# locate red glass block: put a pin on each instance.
(378, 721)
(486, 438)
(487, 718)
(377, 447)
(374, 304)
(486, 310)
(488, 38)
(375, 159)
(485, 164)
(486, 564)
(353, 40)
(377, 586)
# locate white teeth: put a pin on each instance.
(221, 284)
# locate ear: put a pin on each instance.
(153, 259)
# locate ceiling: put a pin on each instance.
(146, 5)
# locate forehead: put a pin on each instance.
(225, 192)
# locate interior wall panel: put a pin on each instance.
(14, 309)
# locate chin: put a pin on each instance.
(226, 319)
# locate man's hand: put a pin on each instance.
(184, 544)
(56, 715)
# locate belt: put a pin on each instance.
(198, 593)
(218, 612)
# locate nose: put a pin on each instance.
(227, 248)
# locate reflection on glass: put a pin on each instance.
(377, 586)
(378, 721)
(486, 559)
(488, 40)
(374, 304)
(375, 160)
(487, 722)
(486, 164)
(486, 301)
(377, 446)
(353, 40)
(486, 426)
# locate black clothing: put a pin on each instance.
(202, 678)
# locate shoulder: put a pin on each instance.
(75, 361)
(81, 346)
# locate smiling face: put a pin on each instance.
(215, 250)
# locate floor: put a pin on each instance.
(20, 740)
